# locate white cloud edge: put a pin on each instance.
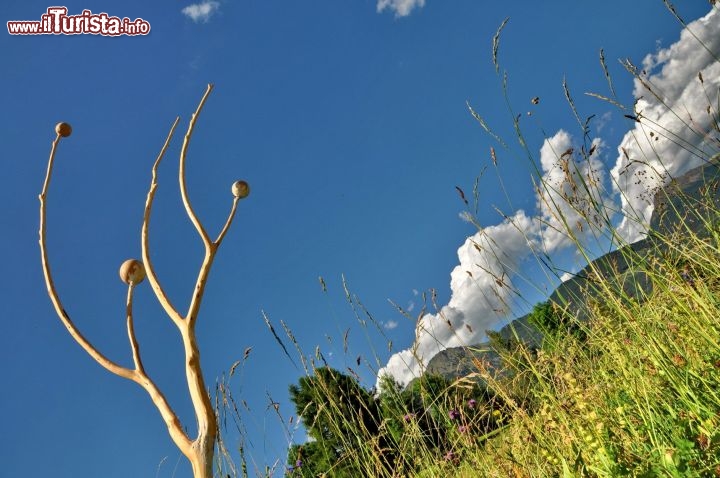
(402, 8)
(201, 12)
(390, 324)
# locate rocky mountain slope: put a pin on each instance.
(687, 202)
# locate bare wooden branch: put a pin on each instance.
(105, 362)
(204, 443)
(183, 153)
(137, 360)
(170, 310)
(173, 423)
(200, 283)
(230, 218)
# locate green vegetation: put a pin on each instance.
(400, 432)
(554, 322)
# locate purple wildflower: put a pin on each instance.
(408, 417)
(685, 274)
(472, 403)
(454, 414)
(463, 429)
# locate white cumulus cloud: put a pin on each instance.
(402, 8)
(482, 284)
(672, 136)
(201, 12)
(481, 292)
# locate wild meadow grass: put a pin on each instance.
(636, 396)
(630, 389)
(633, 391)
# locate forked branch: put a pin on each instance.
(199, 451)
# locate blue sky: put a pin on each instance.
(349, 121)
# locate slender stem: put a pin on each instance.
(52, 292)
(137, 360)
(147, 262)
(229, 221)
(183, 154)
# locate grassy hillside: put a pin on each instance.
(631, 389)
(687, 206)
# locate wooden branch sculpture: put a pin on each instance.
(200, 450)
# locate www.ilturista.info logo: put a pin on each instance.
(57, 22)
